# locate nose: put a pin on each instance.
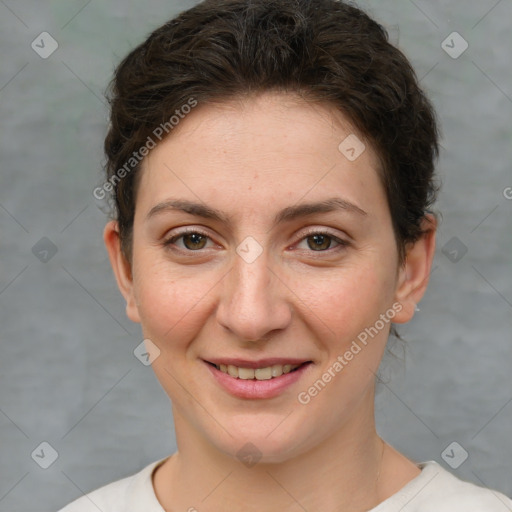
(253, 303)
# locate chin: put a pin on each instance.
(253, 444)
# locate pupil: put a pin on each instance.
(195, 239)
(321, 242)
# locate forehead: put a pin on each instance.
(259, 148)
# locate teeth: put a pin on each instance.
(263, 373)
(277, 370)
(266, 373)
(246, 373)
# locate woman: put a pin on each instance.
(272, 165)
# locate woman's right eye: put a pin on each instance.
(191, 241)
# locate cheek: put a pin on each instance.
(350, 300)
(170, 303)
(350, 304)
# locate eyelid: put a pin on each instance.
(318, 230)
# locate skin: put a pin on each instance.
(250, 159)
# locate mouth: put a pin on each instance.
(261, 373)
(257, 379)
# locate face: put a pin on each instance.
(261, 249)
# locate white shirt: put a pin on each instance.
(433, 490)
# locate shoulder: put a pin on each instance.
(451, 493)
(437, 490)
(133, 492)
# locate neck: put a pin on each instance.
(341, 473)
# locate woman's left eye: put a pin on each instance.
(321, 242)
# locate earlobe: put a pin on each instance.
(122, 269)
(414, 274)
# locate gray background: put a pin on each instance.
(68, 375)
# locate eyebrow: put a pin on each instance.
(287, 214)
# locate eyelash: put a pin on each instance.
(342, 244)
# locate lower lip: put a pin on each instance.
(257, 389)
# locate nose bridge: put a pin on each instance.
(253, 302)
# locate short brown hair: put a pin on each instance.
(325, 50)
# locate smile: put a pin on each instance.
(267, 373)
(257, 379)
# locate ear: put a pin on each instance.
(122, 269)
(413, 275)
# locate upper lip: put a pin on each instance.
(261, 363)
